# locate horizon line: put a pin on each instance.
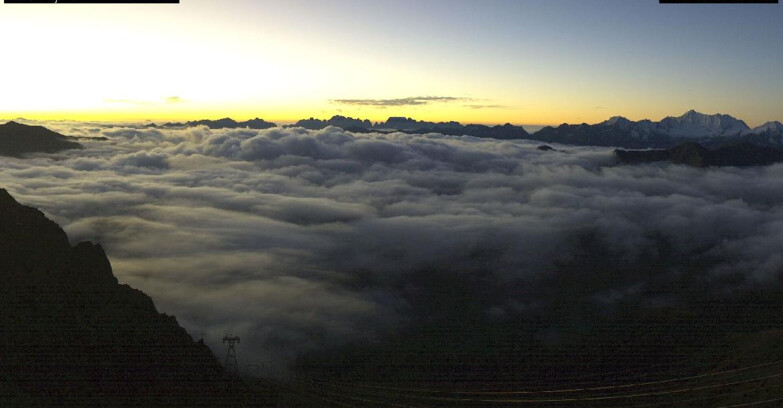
(279, 122)
(282, 122)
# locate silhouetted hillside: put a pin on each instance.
(505, 132)
(17, 139)
(694, 154)
(70, 335)
(226, 123)
(600, 135)
(408, 125)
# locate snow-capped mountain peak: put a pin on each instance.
(769, 127)
(695, 124)
(617, 121)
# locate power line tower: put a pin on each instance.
(231, 356)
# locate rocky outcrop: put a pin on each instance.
(17, 139)
(70, 335)
(346, 123)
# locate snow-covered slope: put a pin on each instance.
(709, 130)
(694, 124)
(618, 121)
(690, 125)
(769, 127)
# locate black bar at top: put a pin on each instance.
(718, 1)
(91, 1)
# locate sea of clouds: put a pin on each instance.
(299, 240)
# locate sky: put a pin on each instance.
(523, 62)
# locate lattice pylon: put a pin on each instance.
(231, 364)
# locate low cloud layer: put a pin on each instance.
(301, 240)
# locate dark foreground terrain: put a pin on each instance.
(739, 371)
(70, 335)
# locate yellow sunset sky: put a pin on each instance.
(523, 62)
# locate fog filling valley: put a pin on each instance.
(300, 241)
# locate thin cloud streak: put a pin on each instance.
(411, 101)
(489, 106)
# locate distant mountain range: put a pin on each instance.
(393, 124)
(690, 125)
(343, 122)
(710, 130)
(409, 125)
(17, 139)
(221, 123)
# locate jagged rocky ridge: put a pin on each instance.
(342, 122)
(696, 155)
(70, 335)
(17, 139)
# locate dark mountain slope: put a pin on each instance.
(343, 122)
(17, 139)
(707, 130)
(70, 335)
(224, 123)
(694, 154)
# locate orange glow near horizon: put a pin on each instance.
(185, 111)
